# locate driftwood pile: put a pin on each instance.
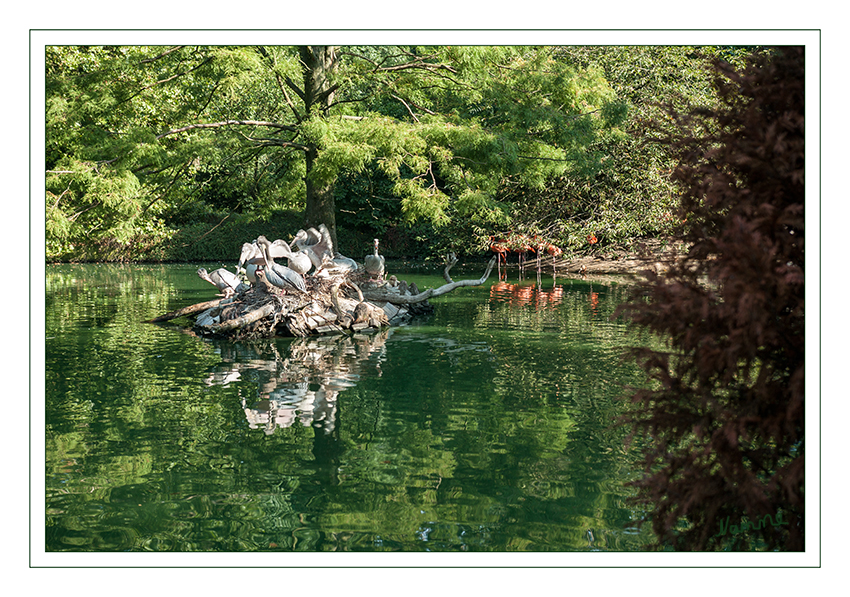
(339, 302)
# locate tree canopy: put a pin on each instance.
(144, 141)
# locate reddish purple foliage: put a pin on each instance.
(724, 419)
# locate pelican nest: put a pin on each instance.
(331, 305)
(334, 303)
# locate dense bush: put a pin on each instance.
(724, 419)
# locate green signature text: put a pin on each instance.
(748, 525)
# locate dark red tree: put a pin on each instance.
(722, 422)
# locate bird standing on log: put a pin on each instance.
(317, 244)
(279, 275)
(375, 263)
(253, 255)
(226, 281)
(299, 261)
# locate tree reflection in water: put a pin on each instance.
(298, 380)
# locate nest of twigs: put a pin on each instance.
(333, 303)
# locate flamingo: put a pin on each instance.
(523, 248)
(554, 251)
(501, 251)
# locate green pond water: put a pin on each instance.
(488, 426)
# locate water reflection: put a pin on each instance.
(486, 426)
(299, 380)
(527, 295)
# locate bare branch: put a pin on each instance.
(247, 318)
(408, 108)
(450, 261)
(288, 99)
(396, 299)
(166, 53)
(280, 82)
(326, 93)
(417, 64)
(59, 198)
(174, 180)
(296, 89)
(190, 310)
(214, 227)
(272, 142)
(423, 108)
(79, 213)
(212, 125)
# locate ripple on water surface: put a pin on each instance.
(485, 426)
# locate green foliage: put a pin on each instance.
(115, 175)
(627, 194)
(480, 138)
(459, 140)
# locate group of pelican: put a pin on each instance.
(310, 252)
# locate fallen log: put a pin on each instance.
(243, 320)
(190, 310)
(396, 298)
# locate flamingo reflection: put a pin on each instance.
(527, 295)
(594, 303)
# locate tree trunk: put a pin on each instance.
(320, 208)
(318, 63)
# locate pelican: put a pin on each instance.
(249, 259)
(251, 272)
(279, 275)
(303, 242)
(226, 281)
(299, 261)
(375, 263)
(252, 254)
(317, 244)
(344, 263)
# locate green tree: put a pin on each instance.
(632, 196)
(254, 129)
(112, 177)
